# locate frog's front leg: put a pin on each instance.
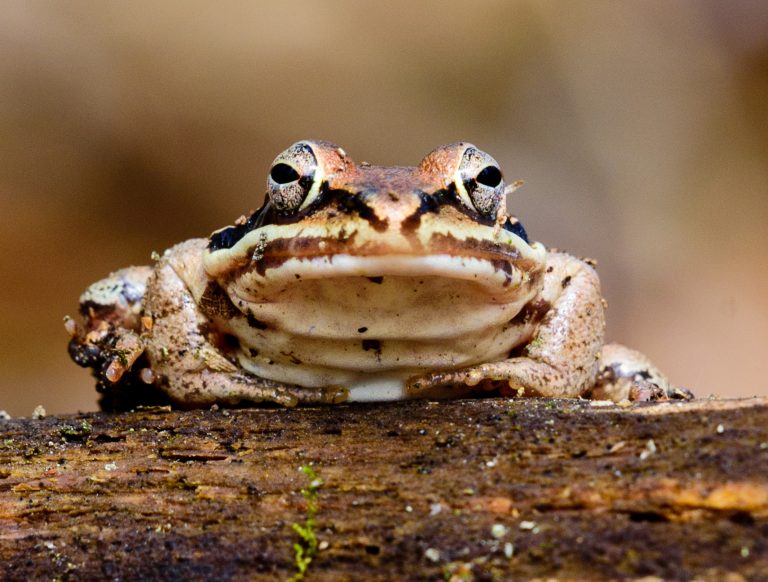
(561, 357)
(191, 355)
(111, 342)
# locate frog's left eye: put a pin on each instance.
(479, 182)
(293, 178)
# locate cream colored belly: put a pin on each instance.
(370, 335)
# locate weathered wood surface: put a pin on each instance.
(485, 488)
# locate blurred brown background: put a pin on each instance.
(640, 128)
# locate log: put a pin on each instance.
(473, 489)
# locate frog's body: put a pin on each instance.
(358, 282)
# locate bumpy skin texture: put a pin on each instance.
(359, 283)
(562, 357)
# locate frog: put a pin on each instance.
(359, 283)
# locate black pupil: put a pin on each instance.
(283, 174)
(490, 176)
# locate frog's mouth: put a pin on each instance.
(499, 263)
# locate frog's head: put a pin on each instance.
(326, 217)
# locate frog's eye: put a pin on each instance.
(479, 182)
(293, 177)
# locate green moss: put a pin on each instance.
(76, 433)
(306, 548)
(122, 356)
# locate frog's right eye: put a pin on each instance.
(294, 178)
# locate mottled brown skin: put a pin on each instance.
(563, 355)
(364, 283)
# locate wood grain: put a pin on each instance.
(474, 489)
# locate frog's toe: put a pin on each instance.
(626, 374)
(515, 377)
(641, 390)
(86, 355)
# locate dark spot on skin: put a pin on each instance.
(291, 357)
(215, 303)
(257, 323)
(550, 269)
(506, 268)
(362, 329)
(297, 275)
(566, 281)
(355, 204)
(430, 203)
(372, 345)
(253, 352)
(377, 280)
(229, 342)
(532, 312)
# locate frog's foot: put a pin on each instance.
(626, 374)
(111, 340)
(117, 360)
(514, 377)
(206, 387)
(110, 351)
(111, 309)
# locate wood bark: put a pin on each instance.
(473, 489)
